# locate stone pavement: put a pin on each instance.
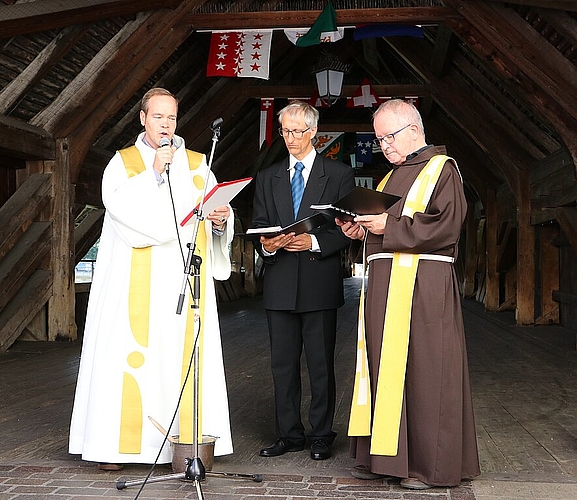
(26, 482)
(524, 383)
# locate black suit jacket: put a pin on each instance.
(302, 281)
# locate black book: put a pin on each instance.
(301, 226)
(358, 201)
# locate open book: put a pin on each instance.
(218, 196)
(358, 201)
(301, 226)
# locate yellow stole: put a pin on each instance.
(131, 412)
(394, 349)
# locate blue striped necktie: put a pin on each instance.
(297, 187)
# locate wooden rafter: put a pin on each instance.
(458, 100)
(33, 17)
(500, 36)
(570, 5)
(300, 18)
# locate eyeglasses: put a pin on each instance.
(389, 138)
(297, 134)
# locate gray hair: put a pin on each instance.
(310, 113)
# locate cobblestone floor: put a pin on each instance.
(82, 483)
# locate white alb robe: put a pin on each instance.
(115, 360)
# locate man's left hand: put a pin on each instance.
(300, 243)
(219, 216)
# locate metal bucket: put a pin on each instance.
(180, 451)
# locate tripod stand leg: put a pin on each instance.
(257, 478)
(120, 485)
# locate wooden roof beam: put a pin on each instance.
(455, 97)
(27, 142)
(33, 17)
(39, 67)
(302, 18)
(498, 35)
(570, 5)
(126, 72)
(110, 69)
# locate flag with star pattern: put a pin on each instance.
(243, 53)
(364, 149)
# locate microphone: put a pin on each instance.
(165, 142)
(216, 124)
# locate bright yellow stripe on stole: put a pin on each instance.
(394, 350)
(186, 404)
(132, 161)
(360, 417)
(130, 416)
(139, 294)
(131, 420)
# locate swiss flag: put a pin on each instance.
(240, 53)
(364, 96)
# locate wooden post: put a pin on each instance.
(492, 281)
(525, 312)
(549, 272)
(471, 253)
(61, 310)
(250, 285)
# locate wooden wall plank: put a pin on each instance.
(23, 259)
(24, 307)
(22, 207)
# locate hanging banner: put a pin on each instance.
(266, 120)
(364, 147)
(378, 30)
(330, 144)
(364, 96)
(323, 30)
(240, 53)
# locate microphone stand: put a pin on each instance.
(195, 470)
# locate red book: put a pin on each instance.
(219, 195)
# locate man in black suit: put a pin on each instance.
(302, 281)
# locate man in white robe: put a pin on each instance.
(136, 348)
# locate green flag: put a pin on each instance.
(324, 27)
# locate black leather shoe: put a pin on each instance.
(280, 447)
(320, 449)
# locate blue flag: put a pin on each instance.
(364, 147)
(383, 29)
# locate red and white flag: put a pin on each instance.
(266, 119)
(240, 53)
(364, 96)
(316, 101)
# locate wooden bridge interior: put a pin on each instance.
(495, 81)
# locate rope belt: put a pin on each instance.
(422, 256)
